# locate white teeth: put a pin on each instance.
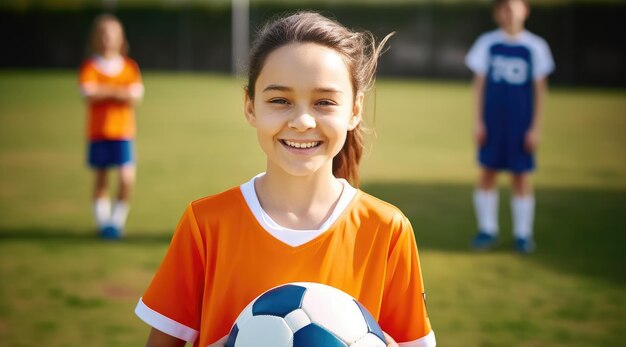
(301, 144)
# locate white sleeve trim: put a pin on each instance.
(542, 60)
(426, 341)
(477, 58)
(165, 324)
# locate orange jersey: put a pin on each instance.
(221, 257)
(110, 119)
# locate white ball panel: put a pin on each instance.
(245, 314)
(335, 311)
(264, 331)
(297, 319)
(369, 340)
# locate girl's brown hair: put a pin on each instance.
(94, 37)
(495, 4)
(359, 50)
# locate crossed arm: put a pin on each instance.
(132, 94)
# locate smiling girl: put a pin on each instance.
(302, 219)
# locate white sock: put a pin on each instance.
(102, 211)
(486, 207)
(523, 210)
(120, 212)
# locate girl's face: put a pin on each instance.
(511, 16)
(111, 37)
(303, 108)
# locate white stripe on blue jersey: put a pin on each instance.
(478, 58)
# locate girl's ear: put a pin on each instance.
(248, 105)
(357, 111)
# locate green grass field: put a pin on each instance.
(61, 286)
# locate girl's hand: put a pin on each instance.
(532, 140)
(480, 134)
(390, 341)
(219, 343)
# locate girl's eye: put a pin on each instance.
(279, 101)
(326, 103)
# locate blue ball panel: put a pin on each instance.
(279, 301)
(232, 337)
(314, 335)
(372, 325)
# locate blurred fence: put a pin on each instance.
(586, 39)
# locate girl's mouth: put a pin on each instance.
(301, 145)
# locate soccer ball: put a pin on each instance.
(304, 314)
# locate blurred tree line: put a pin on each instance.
(431, 41)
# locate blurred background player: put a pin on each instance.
(511, 66)
(111, 83)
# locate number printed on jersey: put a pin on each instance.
(510, 70)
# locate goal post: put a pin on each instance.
(240, 39)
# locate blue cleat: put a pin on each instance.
(483, 241)
(525, 246)
(110, 232)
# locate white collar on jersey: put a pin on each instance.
(288, 236)
(506, 37)
(109, 67)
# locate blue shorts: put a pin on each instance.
(106, 153)
(504, 150)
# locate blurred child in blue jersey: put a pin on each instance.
(511, 66)
(111, 84)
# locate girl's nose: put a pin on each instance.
(302, 120)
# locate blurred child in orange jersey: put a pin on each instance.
(111, 83)
(302, 219)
